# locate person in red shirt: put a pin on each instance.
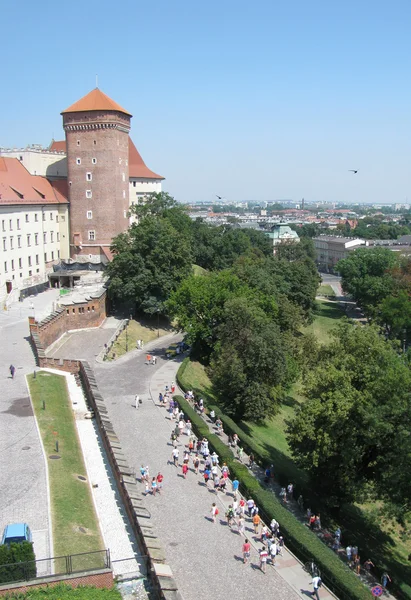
(246, 550)
(185, 470)
(159, 482)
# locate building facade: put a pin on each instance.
(331, 249)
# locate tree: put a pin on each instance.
(352, 433)
(365, 276)
(395, 314)
(150, 261)
(155, 205)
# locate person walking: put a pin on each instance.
(174, 456)
(241, 524)
(12, 370)
(367, 565)
(196, 464)
(154, 486)
(235, 485)
(240, 453)
(137, 401)
(159, 482)
(256, 523)
(230, 516)
(214, 512)
(348, 552)
(246, 551)
(184, 469)
(385, 579)
(263, 558)
(273, 552)
(316, 584)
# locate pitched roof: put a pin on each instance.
(95, 100)
(18, 186)
(57, 146)
(136, 165)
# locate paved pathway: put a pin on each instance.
(23, 487)
(205, 558)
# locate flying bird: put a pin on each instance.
(219, 197)
(353, 170)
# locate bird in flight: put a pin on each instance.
(219, 197)
(353, 170)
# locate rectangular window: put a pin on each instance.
(27, 218)
(89, 214)
(92, 235)
(12, 264)
(5, 266)
(52, 255)
(58, 253)
(29, 261)
(11, 225)
(4, 244)
(20, 263)
(36, 217)
(45, 237)
(58, 236)
(89, 176)
(45, 257)
(78, 142)
(3, 225)
(51, 236)
(30, 273)
(78, 161)
(36, 239)
(11, 243)
(94, 161)
(28, 240)
(57, 218)
(89, 194)
(37, 259)
(18, 223)
(51, 216)
(19, 241)
(134, 184)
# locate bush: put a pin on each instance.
(17, 562)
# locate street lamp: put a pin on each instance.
(158, 322)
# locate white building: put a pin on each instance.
(34, 228)
(47, 162)
(331, 249)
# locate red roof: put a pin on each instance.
(58, 146)
(136, 165)
(95, 100)
(18, 186)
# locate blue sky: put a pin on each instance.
(249, 100)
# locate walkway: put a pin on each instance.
(205, 558)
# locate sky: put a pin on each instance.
(262, 100)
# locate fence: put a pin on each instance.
(59, 565)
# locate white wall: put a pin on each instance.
(139, 188)
(39, 162)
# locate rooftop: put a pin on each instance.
(95, 100)
(136, 165)
(18, 186)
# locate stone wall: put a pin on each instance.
(100, 579)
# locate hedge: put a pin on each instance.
(17, 562)
(63, 591)
(301, 541)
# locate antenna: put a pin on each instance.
(96, 80)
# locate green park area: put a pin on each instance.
(62, 591)
(326, 290)
(144, 328)
(74, 521)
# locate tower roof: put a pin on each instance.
(95, 100)
(136, 166)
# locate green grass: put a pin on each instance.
(63, 591)
(144, 329)
(326, 317)
(325, 290)
(71, 502)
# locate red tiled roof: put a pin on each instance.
(58, 146)
(95, 100)
(17, 186)
(136, 165)
(107, 253)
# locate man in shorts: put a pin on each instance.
(246, 551)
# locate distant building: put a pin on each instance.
(331, 249)
(281, 233)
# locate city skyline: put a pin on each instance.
(247, 102)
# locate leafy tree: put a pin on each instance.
(150, 260)
(352, 433)
(365, 276)
(395, 314)
(155, 205)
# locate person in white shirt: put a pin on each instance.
(317, 584)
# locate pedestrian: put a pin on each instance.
(206, 476)
(246, 550)
(241, 524)
(137, 401)
(12, 370)
(290, 490)
(214, 458)
(214, 512)
(357, 564)
(250, 506)
(212, 415)
(174, 456)
(173, 387)
(368, 564)
(280, 545)
(143, 474)
(235, 485)
(154, 360)
(354, 552)
(308, 513)
(230, 516)
(159, 482)
(274, 526)
(337, 534)
(240, 453)
(234, 440)
(154, 486)
(283, 496)
(312, 522)
(316, 584)
(216, 483)
(251, 460)
(348, 552)
(148, 359)
(385, 579)
(185, 470)
(223, 485)
(225, 472)
(273, 552)
(146, 486)
(138, 344)
(190, 445)
(196, 464)
(318, 522)
(160, 398)
(300, 502)
(256, 523)
(267, 475)
(186, 457)
(241, 508)
(188, 427)
(263, 558)
(264, 534)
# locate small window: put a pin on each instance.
(70, 183)
(89, 214)
(124, 176)
(37, 270)
(94, 161)
(74, 310)
(27, 218)
(78, 142)
(89, 176)
(134, 184)
(57, 218)
(52, 255)
(45, 257)
(124, 193)
(51, 216)
(44, 216)
(45, 237)
(11, 225)
(21, 274)
(30, 273)
(11, 243)
(68, 311)
(37, 259)
(12, 264)
(20, 263)
(51, 236)
(5, 266)
(94, 142)
(18, 223)
(36, 217)
(78, 161)
(20, 157)
(28, 240)
(3, 225)
(89, 194)
(125, 214)
(4, 244)
(92, 235)
(58, 253)
(92, 308)
(36, 239)
(58, 236)
(29, 261)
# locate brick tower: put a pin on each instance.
(97, 172)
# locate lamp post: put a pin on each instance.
(158, 322)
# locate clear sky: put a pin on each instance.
(249, 100)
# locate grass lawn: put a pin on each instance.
(62, 591)
(326, 316)
(143, 329)
(74, 521)
(325, 290)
